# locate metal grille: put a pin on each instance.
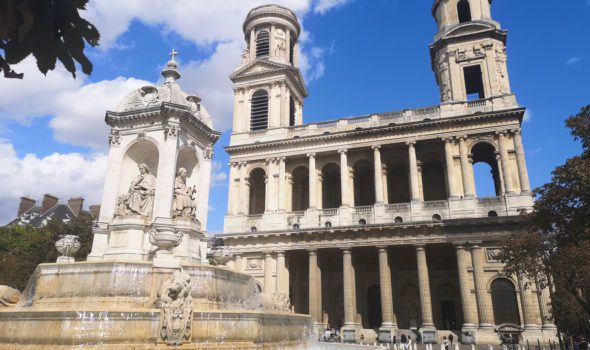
(291, 111)
(259, 111)
(262, 44)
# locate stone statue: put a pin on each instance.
(281, 50)
(281, 302)
(184, 204)
(245, 57)
(9, 296)
(174, 298)
(139, 200)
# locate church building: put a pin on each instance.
(374, 222)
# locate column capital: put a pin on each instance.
(346, 250)
(311, 155)
(280, 253)
(343, 151)
(447, 139)
(376, 147)
(312, 252)
(462, 138)
(420, 247)
(268, 254)
(411, 143)
(502, 133)
(381, 248)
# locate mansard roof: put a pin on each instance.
(35, 216)
(262, 67)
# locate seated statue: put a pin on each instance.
(184, 204)
(139, 200)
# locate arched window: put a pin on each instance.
(504, 302)
(262, 44)
(257, 192)
(331, 196)
(433, 178)
(291, 111)
(364, 183)
(485, 170)
(259, 111)
(464, 11)
(300, 197)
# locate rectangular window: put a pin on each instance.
(474, 83)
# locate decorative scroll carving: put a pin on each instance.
(174, 298)
(115, 138)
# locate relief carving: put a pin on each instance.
(174, 298)
(493, 254)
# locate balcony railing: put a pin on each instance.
(329, 212)
(435, 204)
(397, 207)
(363, 209)
(489, 200)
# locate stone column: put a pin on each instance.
(269, 287)
(234, 189)
(415, 190)
(467, 300)
(344, 180)
(378, 173)
(500, 174)
(466, 171)
(252, 45)
(544, 304)
(349, 289)
(388, 316)
(282, 274)
(530, 305)
(314, 302)
(523, 173)
(505, 160)
(385, 186)
(484, 299)
(272, 41)
(424, 285)
(450, 168)
(282, 185)
(239, 264)
(313, 181)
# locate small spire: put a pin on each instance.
(170, 72)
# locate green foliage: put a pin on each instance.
(22, 248)
(50, 30)
(554, 248)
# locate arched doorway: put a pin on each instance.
(374, 306)
(504, 302)
(486, 170)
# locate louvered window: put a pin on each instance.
(292, 52)
(259, 111)
(291, 111)
(262, 44)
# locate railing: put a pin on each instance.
(393, 115)
(258, 132)
(327, 124)
(435, 204)
(397, 206)
(359, 120)
(363, 209)
(254, 216)
(298, 214)
(427, 110)
(476, 103)
(489, 200)
(329, 212)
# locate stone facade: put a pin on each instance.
(375, 221)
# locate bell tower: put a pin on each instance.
(469, 52)
(268, 85)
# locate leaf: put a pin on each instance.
(65, 58)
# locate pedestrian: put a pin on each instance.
(446, 343)
(451, 338)
(404, 341)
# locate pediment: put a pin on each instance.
(261, 67)
(468, 28)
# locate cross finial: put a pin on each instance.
(173, 54)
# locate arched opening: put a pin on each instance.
(262, 44)
(257, 202)
(374, 307)
(464, 11)
(291, 111)
(259, 111)
(331, 190)
(485, 170)
(364, 183)
(398, 182)
(474, 82)
(300, 198)
(141, 152)
(433, 178)
(504, 302)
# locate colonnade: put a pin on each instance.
(277, 183)
(474, 288)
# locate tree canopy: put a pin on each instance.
(50, 30)
(554, 247)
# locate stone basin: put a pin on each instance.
(111, 305)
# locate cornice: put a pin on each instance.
(518, 112)
(292, 72)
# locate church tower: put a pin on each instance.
(469, 52)
(268, 85)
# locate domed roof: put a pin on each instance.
(272, 10)
(153, 96)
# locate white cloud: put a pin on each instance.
(528, 116)
(573, 60)
(323, 6)
(64, 175)
(218, 174)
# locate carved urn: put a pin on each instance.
(67, 246)
(165, 239)
(222, 255)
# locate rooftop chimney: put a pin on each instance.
(49, 201)
(95, 211)
(76, 205)
(25, 205)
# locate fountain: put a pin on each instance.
(147, 283)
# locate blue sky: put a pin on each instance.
(359, 57)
